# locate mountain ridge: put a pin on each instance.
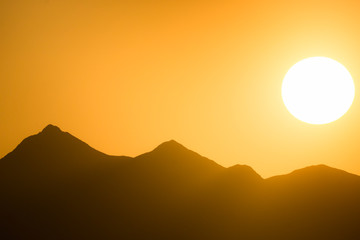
(168, 147)
(55, 186)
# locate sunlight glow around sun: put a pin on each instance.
(318, 90)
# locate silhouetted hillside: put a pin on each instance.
(54, 186)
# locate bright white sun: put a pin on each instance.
(318, 90)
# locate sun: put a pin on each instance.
(318, 90)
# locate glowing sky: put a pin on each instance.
(125, 76)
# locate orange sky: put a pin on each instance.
(125, 76)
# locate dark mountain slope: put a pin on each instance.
(54, 186)
(317, 202)
(53, 156)
(51, 142)
(45, 184)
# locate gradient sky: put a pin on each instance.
(125, 76)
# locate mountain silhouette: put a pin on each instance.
(55, 186)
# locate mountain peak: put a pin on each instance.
(172, 148)
(51, 129)
(316, 173)
(244, 170)
(318, 169)
(169, 144)
(173, 155)
(52, 141)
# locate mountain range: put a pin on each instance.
(55, 186)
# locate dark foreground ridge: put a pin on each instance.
(54, 186)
